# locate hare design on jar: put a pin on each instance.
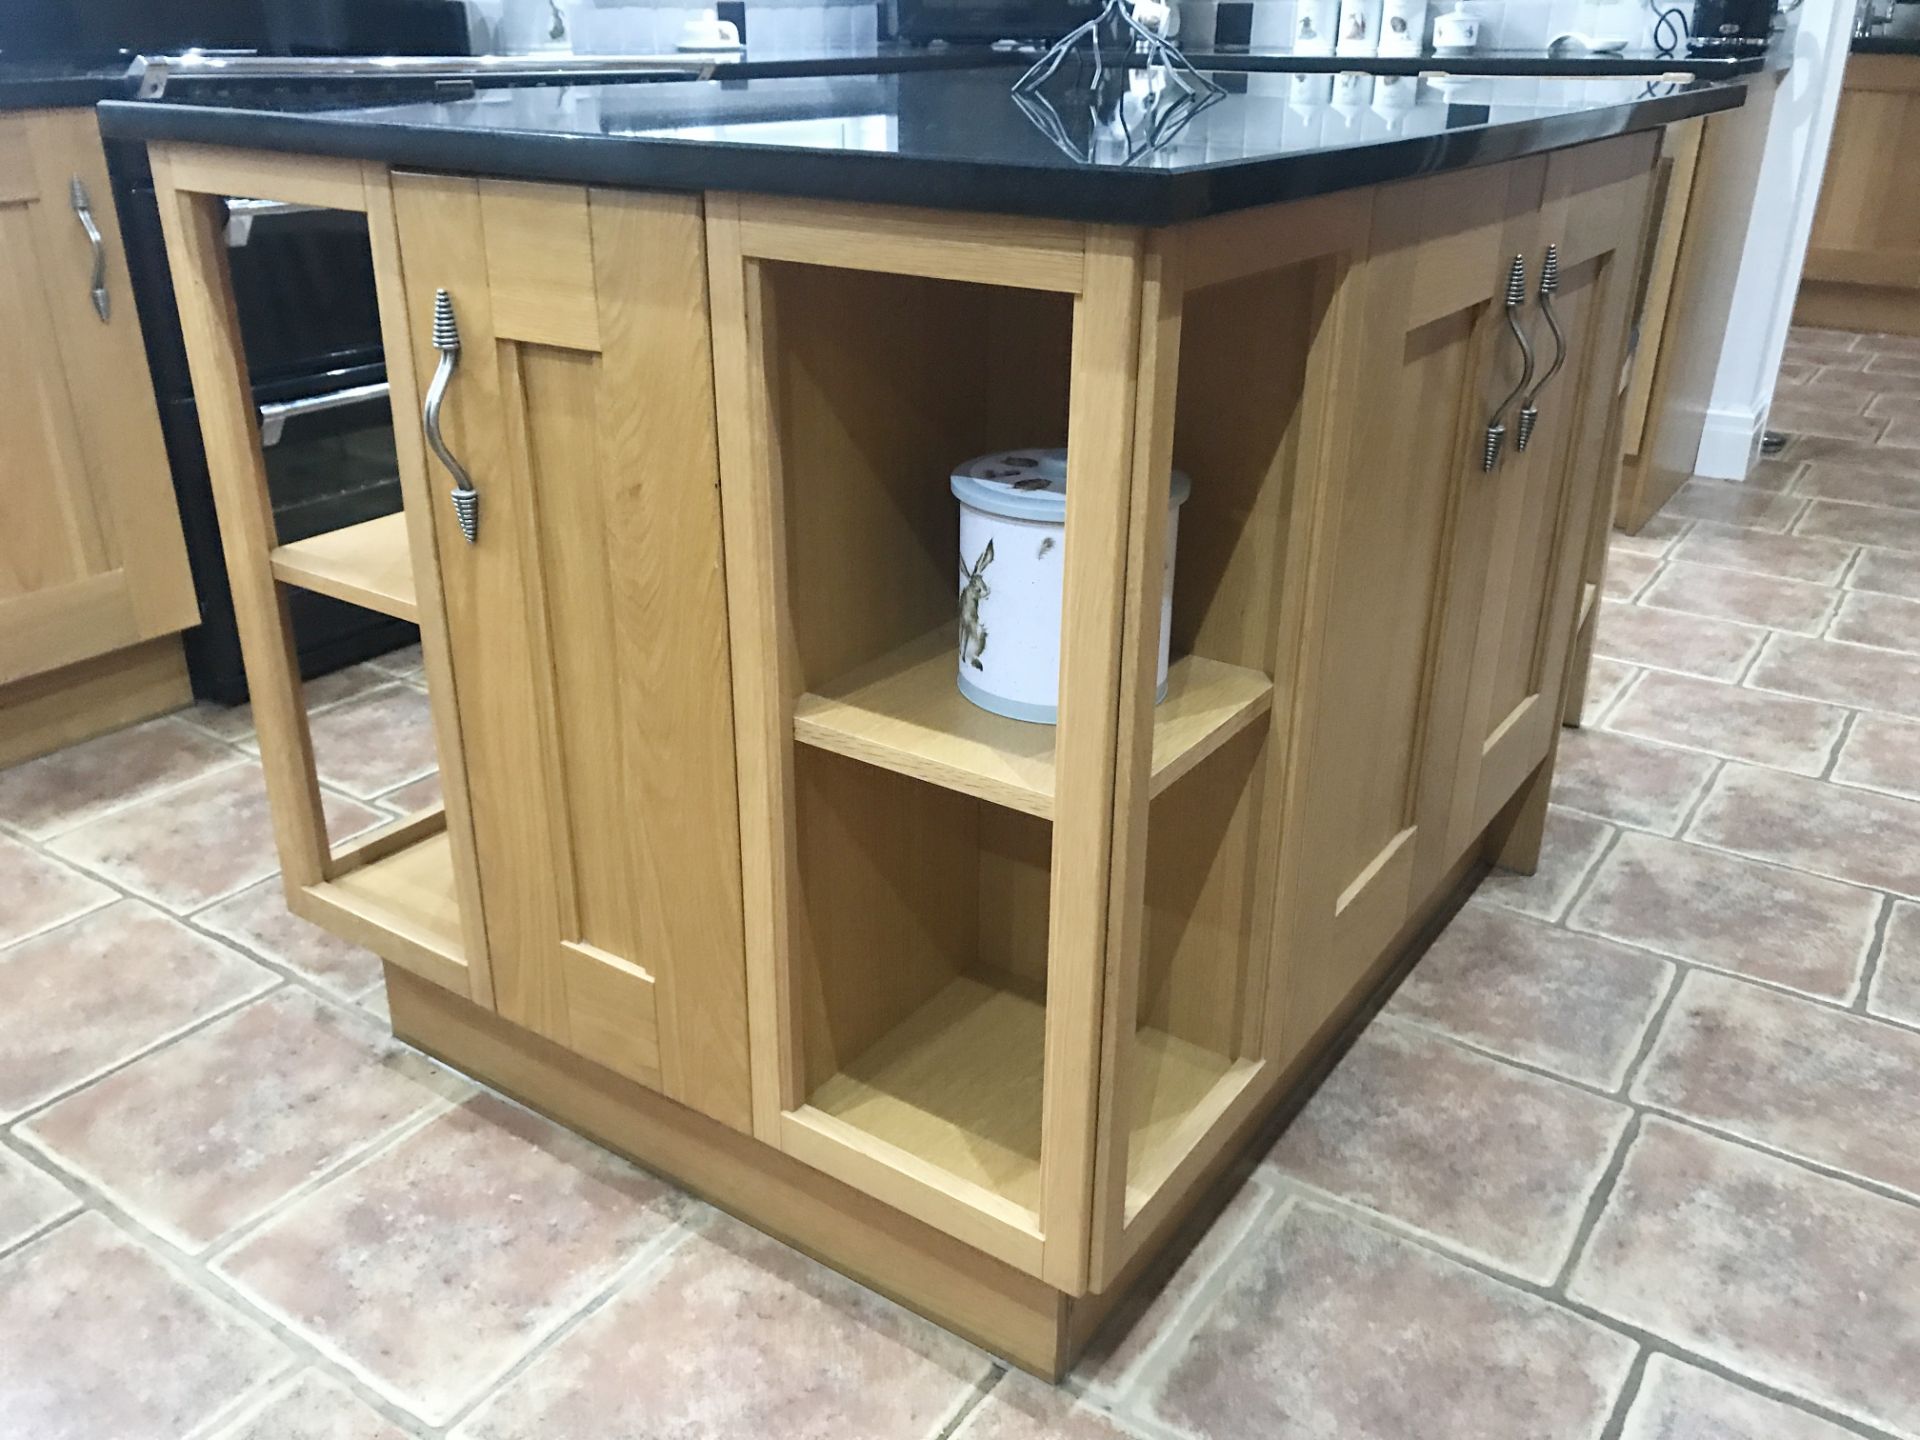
(974, 589)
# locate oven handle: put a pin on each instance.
(274, 416)
(242, 213)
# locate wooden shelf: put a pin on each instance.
(957, 1088)
(368, 564)
(904, 713)
(401, 902)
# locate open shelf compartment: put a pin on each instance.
(368, 564)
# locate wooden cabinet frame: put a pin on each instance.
(407, 890)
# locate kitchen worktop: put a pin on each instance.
(1532, 63)
(957, 139)
(55, 84)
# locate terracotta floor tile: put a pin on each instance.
(1572, 843)
(37, 893)
(258, 919)
(1627, 573)
(1886, 405)
(1796, 372)
(1495, 1162)
(1888, 572)
(29, 1200)
(1809, 416)
(206, 840)
(1737, 595)
(1853, 454)
(1840, 1090)
(1669, 640)
(375, 742)
(1835, 480)
(69, 787)
(1606, 678)
(1656, 537)
(1774, 472)
(1887, 621)
(1628, 781)
(101, 1341)
(1792, 557)
(414, 796)
(1896, 982)
(1881, 752)
(101, 989)
(1808, 1283)
(1830, 354)
(1730, 503)
(1800, 931)
(1876, 384)
(1854, 675)
(260, 1102)
(315, 1407)
(1878, 525)
(489, 1224)
(1678, 1401)
(1888, 364)
(1853, 835)
(1903, 430)
(1822, 336)
(1144, 1319)
(1729, 720)
(235, 722)
(766, 1343)
(1020, 1407)
(1573, 1004)
(1293, 1349)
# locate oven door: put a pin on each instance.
(329, 451)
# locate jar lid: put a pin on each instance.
(1030, 484)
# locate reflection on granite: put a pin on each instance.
(956, 139)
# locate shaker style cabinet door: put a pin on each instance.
(1399, 548)
(586, 611)
(1579, 283)
(91, 555)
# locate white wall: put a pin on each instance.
(1799, 125)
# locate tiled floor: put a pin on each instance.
(1635, 1152)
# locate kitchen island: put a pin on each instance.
(728, 875)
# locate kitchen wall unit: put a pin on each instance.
(93, 569)
(1863, 262)
(730, 877)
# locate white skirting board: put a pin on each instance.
(1730, 443)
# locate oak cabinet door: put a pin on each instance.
(587, 618)
(1866, 229)
(91, 556)
(1545, 496)
(1399, 548)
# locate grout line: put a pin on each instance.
(1623, 1403)
(123, 804)
(1870, 967)
(52, 925)
(972, 1401)
(1839, 744)
(1699, 800)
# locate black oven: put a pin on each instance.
(304, 291)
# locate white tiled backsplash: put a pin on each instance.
(1504, 24)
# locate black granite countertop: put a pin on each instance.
(1886, 44)
(1530, 63)
(57, 84)
(957, 139)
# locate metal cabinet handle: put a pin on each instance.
(1549, 282)
(1516, 297)
(446, 339)
(83, 212)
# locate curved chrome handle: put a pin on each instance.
(1549, 283)
(446, 339)
(1516, 297)
(83, 212)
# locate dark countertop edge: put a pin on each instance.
(1123, 197)
(60, 92)
(1591, 67)
(1886, 45)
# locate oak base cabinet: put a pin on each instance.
(92, 557)
(978, 1011)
